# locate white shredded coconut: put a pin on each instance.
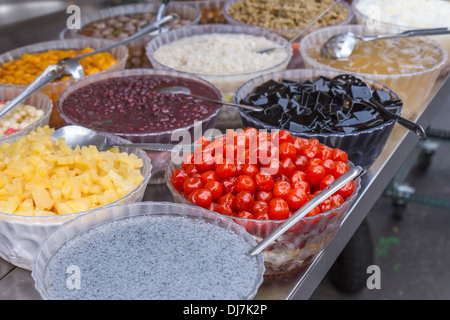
(220, 54)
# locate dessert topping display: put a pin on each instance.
(385, 56)
(29, 66)
(324, 105)
(18, 118)
(43, 177)
(282, 14)
(259, 175)
(220, 54)
(132, 104)
(162, 257)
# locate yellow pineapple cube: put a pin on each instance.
(42, 199)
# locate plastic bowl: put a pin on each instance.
(54, 89)
(227, 84)
(363, 147)
(377, 16)
(37, 100)
(211, 10)
(159, 159)
(21, 236)
(413, 88)
(147, 210)
(137, 57)
(286, 33)
(296, 248)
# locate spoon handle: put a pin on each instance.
(146, 146)
(242, 106)
(156, 146)
(162, 9)
(411, 33)
(306, 208)
(50, 73)
(414, 127)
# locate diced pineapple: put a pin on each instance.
(40, 177)
(42, 199)
(26, 207)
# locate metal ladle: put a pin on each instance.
(340, 46)
(303, 30)
(186, 91)
(75, 135)
(71, 66)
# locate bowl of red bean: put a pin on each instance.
(259, 178)
(119, 22)
(129, 104)
(33, 112)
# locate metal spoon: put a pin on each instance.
(303, 30)
(351, 174)
(75, 135)
(71, 66)
(161, 12)
(340, 46)
(352, 80)
(186, 91)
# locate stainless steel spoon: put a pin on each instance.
(71, 66)
(351, 174)
(161, 12)
(303, 30)
(340, 46)
(186, 91)
(75, 135)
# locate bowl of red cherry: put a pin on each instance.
(259, 178)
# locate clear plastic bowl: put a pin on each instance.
(363, 147)
(159, 159)
(381, 18)
(21, 236)
(227, 84)
(38, 100)
(211, 10)
(297, 247)
(136, 210)
(137, 57)
(286, 33)
(54, 89)
(413, 88)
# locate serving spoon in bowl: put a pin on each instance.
(75, 135)
(186, 91)
(341, 46)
